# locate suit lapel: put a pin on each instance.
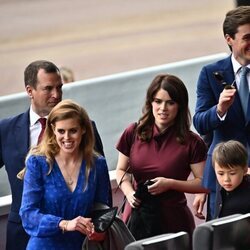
(229, 77)
(21, 133)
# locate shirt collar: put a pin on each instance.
(34, 117)
(236, 65)
(157, 133)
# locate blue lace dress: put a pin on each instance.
(47, 200)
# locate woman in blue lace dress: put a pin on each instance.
(64, 178)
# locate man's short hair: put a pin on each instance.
(31, 71)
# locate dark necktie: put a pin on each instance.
(244, 89)
(43, 123)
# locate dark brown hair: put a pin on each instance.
(31, 71)
(235, 18)
(178, 92)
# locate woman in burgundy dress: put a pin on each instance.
(161, 148)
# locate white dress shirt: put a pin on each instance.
(35, 127)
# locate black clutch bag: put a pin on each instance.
(103, 218)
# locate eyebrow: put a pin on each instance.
(246, 35)
(155, 98)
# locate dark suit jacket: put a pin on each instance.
(234, 202)
(14, 145)
(234, 127)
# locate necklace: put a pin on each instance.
(69, 180)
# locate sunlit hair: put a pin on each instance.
(230, 154)
(48, 147)
(235, 18)
(178, 93)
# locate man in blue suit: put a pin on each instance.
(218, 109)
(43, 85)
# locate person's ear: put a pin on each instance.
(53, 128)
(29, 91)
(83, 131)
(228, 39)
(246, 170)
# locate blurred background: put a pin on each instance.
(102, 37)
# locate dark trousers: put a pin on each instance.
(17, 238)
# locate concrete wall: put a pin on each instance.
(112, 102)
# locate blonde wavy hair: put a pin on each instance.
(66, 109)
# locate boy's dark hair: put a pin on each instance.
(230, 154)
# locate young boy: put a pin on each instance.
(230, 165)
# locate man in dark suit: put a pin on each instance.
(43, 85)
(218, 109)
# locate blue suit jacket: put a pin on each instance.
(14, 145)
(234, 127)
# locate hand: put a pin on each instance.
(132, 200)
(160, 185)
(81, 224)
(97, 236)
(198, 205)
(225, 101)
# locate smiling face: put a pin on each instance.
(229, 178)
(47, 93)
(240, 44)
(164, 109)
(68, 135)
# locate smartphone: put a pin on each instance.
(219, 77)
(148, 183)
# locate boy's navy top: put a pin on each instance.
(233, 202)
